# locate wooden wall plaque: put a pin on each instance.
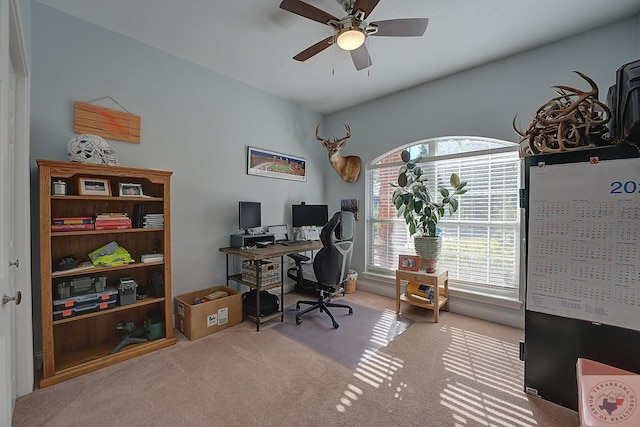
(109, 124)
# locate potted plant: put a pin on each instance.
(420, 210)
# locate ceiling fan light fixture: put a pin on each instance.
(351, 39)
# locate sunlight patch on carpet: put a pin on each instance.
(376, 371)
(359, 337)
(487, 373)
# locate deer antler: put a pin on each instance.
(572, 119)
(346, 126)
(336, 141)
(319, 138)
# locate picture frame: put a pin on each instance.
(130, 190)
(408, 262)
(276, 165)
(94, 186)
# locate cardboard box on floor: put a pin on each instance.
(198, 320)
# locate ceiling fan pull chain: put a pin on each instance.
(333, 61)
(369, 67)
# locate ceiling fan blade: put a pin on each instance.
(409, 27)
(361, 58)
(306, 10)
(314, 50)
(365, 5)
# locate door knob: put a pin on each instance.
(17, 298)
(17, 263)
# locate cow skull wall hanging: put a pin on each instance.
(348, 167)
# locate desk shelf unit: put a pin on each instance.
(439, 280)
(257, 255)
(80, 344)
(258, 320)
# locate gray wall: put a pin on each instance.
(195, 123)
(198, 124)
(24, 10)
(478, 102)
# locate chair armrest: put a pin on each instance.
(298, 258)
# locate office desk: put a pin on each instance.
(257, 255)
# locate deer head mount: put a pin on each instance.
(348, 167)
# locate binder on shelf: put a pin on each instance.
(113, 221)
(138, 215)
(113, 227)
(153, 221)
(72, 227)
(112, 215)
(63, 218)
(72, 220)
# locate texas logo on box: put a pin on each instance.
(612, 402)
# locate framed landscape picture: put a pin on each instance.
(276, 165)
(130, 190)
(94, 187)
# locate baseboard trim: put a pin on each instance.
(484, 312)
(464, 306)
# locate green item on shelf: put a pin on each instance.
(133, 335)
(154, 326)
(110, 255)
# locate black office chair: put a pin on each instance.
(330, 266)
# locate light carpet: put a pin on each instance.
(458, 372)
(359, 336)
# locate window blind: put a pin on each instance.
(480, 241)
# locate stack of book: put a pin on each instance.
(112, 221)
(72, 223)
(153, 221)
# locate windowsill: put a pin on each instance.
(505, 302)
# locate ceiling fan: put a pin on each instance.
(351, 31)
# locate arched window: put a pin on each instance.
(481, 241)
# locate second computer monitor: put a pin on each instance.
(309, 215)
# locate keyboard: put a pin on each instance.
(293, 242)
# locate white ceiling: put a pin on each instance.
(253, 41)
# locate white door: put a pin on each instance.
(12, 162)
(7, 275)
(7, 314)
(9, 264)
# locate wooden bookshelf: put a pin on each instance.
(80, 344)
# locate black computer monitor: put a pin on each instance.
(304, 215)
(249, 215)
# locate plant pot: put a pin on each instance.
(428, 248)
(428, 265)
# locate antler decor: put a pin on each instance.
(571, 120)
